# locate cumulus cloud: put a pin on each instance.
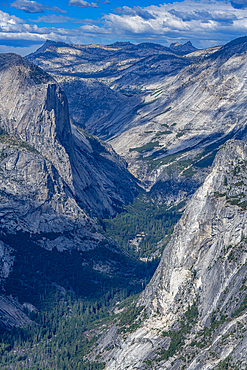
(15, 32)
(103, 2)
(9, 23)
(55, 9)
(28, 6)
(204, 16)
(205, 23)
(137, 10)
(13, 28)
(82, 4)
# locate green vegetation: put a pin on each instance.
(231, 256)
(165, 160)
(242, 307)
(145, 148)
(161, 133)
(38, 75)
(238, 201)
(58, 338)
(11, 141)
(97, 145)
(207, 332)
(224, 365)
(130, 320)
(146, 221)
(192, 313)
(178, 337)
(189, 172)
(207, 161)
(179, 134)
(165, 111)
(74, 301)
(39, 269)
(219, 195)
(2, 131)
(177, 341)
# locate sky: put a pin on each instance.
(25, 24)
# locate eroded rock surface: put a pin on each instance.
(53, 180)
(198, 291)
(167, 114)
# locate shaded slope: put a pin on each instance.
(116, 72)
(196, 300)
(166, 114)
(52, 178)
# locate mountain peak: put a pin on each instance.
(121, 43)
(49, 43)
(183, 48)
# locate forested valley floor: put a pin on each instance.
(67, 322)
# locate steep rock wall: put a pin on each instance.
(199, 289)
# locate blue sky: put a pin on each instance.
(25, 24)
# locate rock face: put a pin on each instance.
(11, 313)
(165, 110)
(34, 108)
(6, 261)
(31, 106)
(114, 75)
(183, 49)
(186, 117)
(52, 179)
(167, 113)
(197, 296)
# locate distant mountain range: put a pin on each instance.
(165, 113)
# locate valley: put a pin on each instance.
(123, 207)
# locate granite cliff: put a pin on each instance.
(178, 132)
(167, 114)
(35, 110)
(195, 303)
(53, 180)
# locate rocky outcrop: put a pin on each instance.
(115, 76)
(93, 105)
(166, 114)
(53, 179)
(34, 109)
(183, 49)
(12, 313)
(6, 261)
(197, 296)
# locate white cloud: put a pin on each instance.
(52, 18)
(205, 23)
(82, 4)
(28, 6)
(9, 23)
(202, 22)
(55, 9)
